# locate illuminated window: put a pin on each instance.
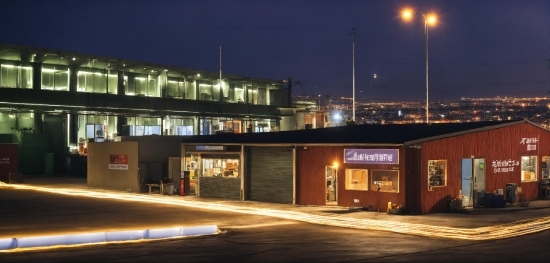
(528, 168)
(356, 179)
(12, 76)
(55, 77)
(437, 173)
(385, 180)
(226, 168)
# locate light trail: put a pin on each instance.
(501, 231)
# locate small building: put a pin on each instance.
(418, 167)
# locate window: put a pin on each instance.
(385, 180)
(437, 173)
(226, 168)
(12, 76)
(96, 81)
(55, 77)
(528, 168)
(356, 179)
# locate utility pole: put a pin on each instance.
(289, 92)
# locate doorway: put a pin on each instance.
(331, 174)
(472, 181)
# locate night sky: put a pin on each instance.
(478, 48)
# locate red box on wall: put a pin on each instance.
(8, 160)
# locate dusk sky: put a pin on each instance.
(477, 49)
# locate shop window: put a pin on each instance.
(227, 168)
(385, 181)
(356, 179)
(528, 168)
(437, 173)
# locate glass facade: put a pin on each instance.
(97, 81)
(55, 77)
(85, 74)
(15, 76)
(141, 126)
(96, 128)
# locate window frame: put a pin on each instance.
(348, 175)
(379, 187)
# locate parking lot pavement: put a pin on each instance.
(535, 215)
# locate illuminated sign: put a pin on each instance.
(371, 156)
(504, 166)
(531, 143)
(209, 148)
(118, 162)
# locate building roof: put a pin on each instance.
(368, 134)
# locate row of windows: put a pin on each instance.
(56, 77)
(388, 180)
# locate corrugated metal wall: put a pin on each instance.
(493, 145)
(269, 174)
(311, 178)
(413, 169)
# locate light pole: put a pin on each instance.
(429, 19)
(353, 67)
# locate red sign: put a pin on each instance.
(118, 162)
(119, 159)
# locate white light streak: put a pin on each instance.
(502, 231)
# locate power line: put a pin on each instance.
(455, 64)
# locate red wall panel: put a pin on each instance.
(493, 145)
(8, 160)
(311, 181)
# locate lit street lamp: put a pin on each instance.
(353, 66)
(429, 19)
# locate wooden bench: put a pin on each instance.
(160, 186)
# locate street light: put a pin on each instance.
(429, 19)
(353, 66)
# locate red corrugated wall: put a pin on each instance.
(311, 181)
(8, 160)
(493, 145)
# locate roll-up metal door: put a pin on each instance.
(269, 174)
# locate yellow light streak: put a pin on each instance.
(501, 231)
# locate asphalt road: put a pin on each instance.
(244, 238)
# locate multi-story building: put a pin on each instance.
(55, 101)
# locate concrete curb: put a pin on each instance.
(100, 237)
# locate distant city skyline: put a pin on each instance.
(477, 49)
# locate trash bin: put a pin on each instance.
(169, 188)
(511, 193)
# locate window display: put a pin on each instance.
(385, 180)
(528, 168)
(356, 179)
(437, 173)
(220, 168)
